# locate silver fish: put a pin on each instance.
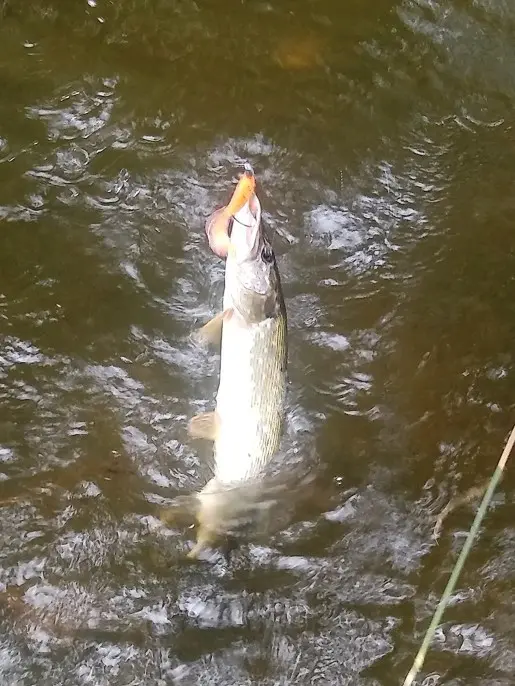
(247, 422)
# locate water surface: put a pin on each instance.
(382, 136)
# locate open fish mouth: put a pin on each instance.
(243, 207)
(245, 236)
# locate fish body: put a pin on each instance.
(246, 425)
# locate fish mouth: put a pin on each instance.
(245, 209)
(245, 230)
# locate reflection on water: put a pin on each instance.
(381, 139)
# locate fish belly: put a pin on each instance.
(249, 400)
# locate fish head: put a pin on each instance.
(253, 277)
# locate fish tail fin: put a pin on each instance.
(183, 509)
(206, 539)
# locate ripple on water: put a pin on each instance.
(336, 228)
(4, 150)
(472, 44)
(96, 590)
(68, 166)
(79, 110)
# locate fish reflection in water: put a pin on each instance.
(299, 52)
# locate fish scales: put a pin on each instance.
(251, 392)
(247, 423)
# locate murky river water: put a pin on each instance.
(382, 135)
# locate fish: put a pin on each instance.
(247, 423)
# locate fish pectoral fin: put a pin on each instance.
(212, 331)
(204, 425)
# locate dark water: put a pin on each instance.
(382, 134)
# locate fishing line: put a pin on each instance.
(238, 221)
(451, 584)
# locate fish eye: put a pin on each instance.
(267, 254)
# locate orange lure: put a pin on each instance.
(217, 224)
